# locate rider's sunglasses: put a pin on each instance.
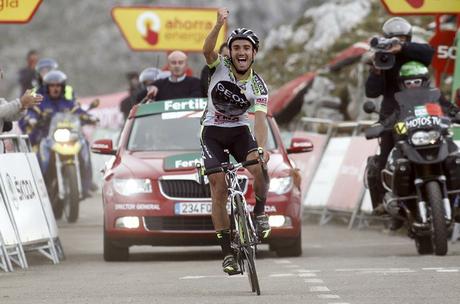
(413, 82)
(54, 85)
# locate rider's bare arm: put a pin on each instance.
(210, 43)
(260, 128)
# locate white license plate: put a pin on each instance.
(193, 208)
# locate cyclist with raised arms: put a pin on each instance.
(234, 88)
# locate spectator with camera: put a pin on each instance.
(389, 53)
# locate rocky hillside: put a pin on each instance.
(313, 40)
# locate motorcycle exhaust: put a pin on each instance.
(391, 205)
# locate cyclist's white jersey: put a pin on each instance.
(229, 100)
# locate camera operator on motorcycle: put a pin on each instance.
(384, 82)
(38, 121)
(233, 88)
(413, 75)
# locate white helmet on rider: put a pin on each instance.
(397, 26)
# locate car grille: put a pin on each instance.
(202, 223)
(183, 189)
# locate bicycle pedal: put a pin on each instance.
(234, 273)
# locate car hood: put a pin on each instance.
(156, 164)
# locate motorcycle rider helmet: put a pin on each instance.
(55, 77)
(46, 64)
(397, 26)
(245, 34)
(149, 75)
(43, 66)
(413, 74)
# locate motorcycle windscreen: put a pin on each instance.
(412, 102)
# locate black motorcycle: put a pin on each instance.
(422, 174)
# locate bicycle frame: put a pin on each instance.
(245, 245)
(234, 189)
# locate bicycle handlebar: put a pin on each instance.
(229, 166)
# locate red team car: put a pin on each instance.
(151, 194)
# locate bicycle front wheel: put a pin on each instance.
(247, 244)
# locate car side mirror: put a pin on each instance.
(103, 146)
(300, 145)
(369, 107)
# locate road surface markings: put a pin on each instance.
(447, 270)
(198, 277)
(376, 270)
(307, 270)
(319, 288)
(281, 275)
(292, 266)
(313, 281)
(282, 262)
(442, 269)
(328, 296)
(307, 274)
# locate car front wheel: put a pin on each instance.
(288, 247)
(114, 253)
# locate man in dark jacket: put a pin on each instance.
(177, 85)
(27, 75)
(385, 83)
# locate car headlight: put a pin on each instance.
(130, 222)
(421, 138)
(280, 185)
(132, 186)
(279, 221)
(62, 135)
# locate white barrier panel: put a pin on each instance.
(43, 193)
(6, 227)
(348, 189)
(7, 237)
(22, 195)
(25, 206)
(323, 181)
(307, 163)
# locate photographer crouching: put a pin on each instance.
(388, 54)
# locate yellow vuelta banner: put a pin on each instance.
(18, 11)
(422, 6)
(166, 28)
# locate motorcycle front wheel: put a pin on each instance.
(438, 219)
(72, 198)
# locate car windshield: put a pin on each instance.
(172, 131)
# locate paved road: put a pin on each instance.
(338, 266)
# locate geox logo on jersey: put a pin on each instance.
(228, 99)
(423, 121)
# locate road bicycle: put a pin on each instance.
(243, 234)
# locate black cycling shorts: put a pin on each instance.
(239, 142)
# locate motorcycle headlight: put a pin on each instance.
(132, 186)
(62, 135)
(280, 185)
(421, 138)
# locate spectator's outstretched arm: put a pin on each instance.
(15, 109)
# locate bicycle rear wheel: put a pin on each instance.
(247, 245)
